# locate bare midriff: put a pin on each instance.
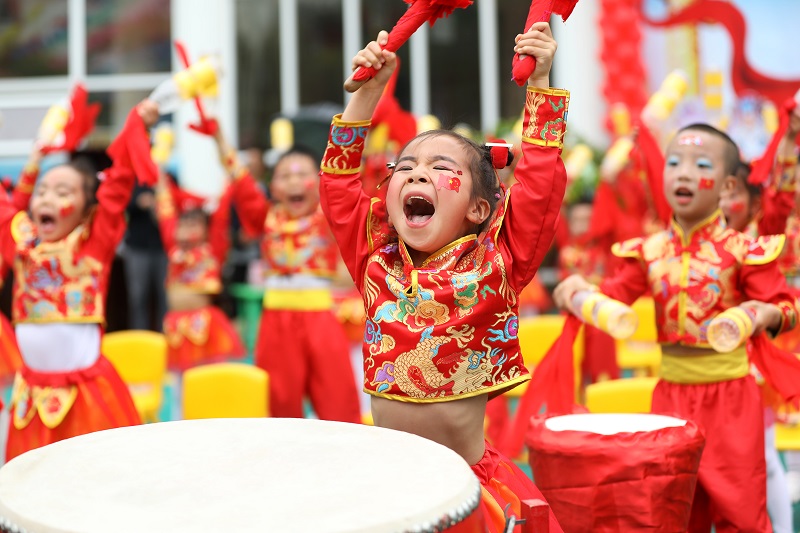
(457, 424)
(680, 350)
(183, 300)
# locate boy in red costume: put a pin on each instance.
(301, 344)
(440, 264)
(695, 270)
(61, 254)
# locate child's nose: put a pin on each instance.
(419, 178)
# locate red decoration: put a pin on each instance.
(419, 12)
(184, 200)
(621, 40)
(131, 149)
(448, 182)
(762, 166)
(706, 183)
(81, 121)
(744, 77)
(540, 11)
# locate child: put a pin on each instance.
(196, 244)
(695, 270)
(300, 342)
(440, 264)
(61, 254)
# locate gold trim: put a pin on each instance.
(683, 283)
(60, 320)
(711, 368)
(444, 249)
(763, 260)
(370, 215)
(331, 170)
(337, 121)
(550, 90)
(616, 249)
(687, 238)
(15, 223)
(539, 142)
(504, 386)
(297, 299)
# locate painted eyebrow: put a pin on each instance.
(434, 158)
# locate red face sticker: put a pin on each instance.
(66, 209)
(737, 206)
(706, 183)
(448, 182)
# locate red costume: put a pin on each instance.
(202, 335)
(65, 282)
(301, 344)
(693, 277)
(448, 329)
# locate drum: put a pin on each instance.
(241, 475)
(616, 472)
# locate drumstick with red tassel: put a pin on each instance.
(417, 14)
(523, 66)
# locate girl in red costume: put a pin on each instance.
(440, 264)
(61, 252)
(301, 344)
(196, 244)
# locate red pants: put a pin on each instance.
(731, 488)
(10, 358)
(503, 483)
(102, 402)
(307, 352)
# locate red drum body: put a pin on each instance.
(266, 474)
(616, 472)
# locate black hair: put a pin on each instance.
(89, 180)
(485, 183)
(196, 213)
(299, 149)
(741, 174)
(730, 155)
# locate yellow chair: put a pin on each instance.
(536, 335)
(628, 395)
(140, 358)
(787, 437)
(225, 390)
(641, 353)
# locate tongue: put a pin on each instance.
(418, 219)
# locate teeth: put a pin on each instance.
(410, 198)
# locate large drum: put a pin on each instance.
(240, 475)
(616, 472)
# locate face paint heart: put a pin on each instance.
(706, 183)
(448, 182)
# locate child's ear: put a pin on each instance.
(478, 211)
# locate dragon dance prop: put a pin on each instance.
(523, 66)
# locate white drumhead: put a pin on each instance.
(236, 475)
(612, 423)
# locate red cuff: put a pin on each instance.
(345, 145)
(545, 117)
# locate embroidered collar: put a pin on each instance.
(704, 230)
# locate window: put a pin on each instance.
(33, 38)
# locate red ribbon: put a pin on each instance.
(418, 13)
(131, 149)
(781, 369)
(540, 11)
(761, 167)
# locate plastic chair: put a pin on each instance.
(536, 335)
(787, 437)
(628, 395)
(641, 353)
(225, 390)
(140, 358)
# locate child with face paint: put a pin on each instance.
(61, 251)
(696, 269)
(441, 262)
(196, 243)
(301, 344)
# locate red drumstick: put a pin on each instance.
(523, 67)
(417, 14)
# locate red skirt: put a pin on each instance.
(503, 483)
(47, 407)
(10, 358)
(200, 336)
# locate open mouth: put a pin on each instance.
(296, 200)
(683, 195)
(418, 210)
(47, 223)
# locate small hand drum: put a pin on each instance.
(240, 475)
(616, 472)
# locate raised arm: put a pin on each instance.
(166, 211)
(535, 200)
(344, 202)
(21, 197)
(219, 226)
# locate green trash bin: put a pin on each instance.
(249, 300)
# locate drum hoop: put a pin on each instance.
(445, 522)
